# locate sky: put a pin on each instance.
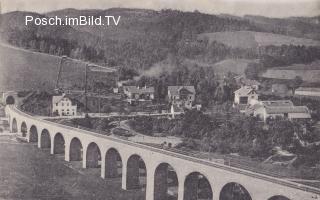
(269, 8)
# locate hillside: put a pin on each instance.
(25, 70)
(306, 27)
(250, 39)
(308, 72)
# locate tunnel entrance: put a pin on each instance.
(113, 164)
(58, 144)
(197, 186)
(93, 156)
(234, 191)
(136, 173)
(76, 150)
(10, 100)
(165, 183)
(45, 140)
(33, 134)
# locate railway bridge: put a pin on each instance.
(159, 172)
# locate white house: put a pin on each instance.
(280, 108)
(181, 96)
(246, 95)
(62, 106)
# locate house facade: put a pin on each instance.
(182, 96)
(63, 106)
(134, 93)
(246, 95)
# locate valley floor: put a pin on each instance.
(27, 172)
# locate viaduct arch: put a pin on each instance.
(165, 174)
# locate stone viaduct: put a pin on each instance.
(163, 172)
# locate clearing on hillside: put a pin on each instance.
(251, 39)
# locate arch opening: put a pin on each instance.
(165, 183)
(76, 150)
(33, 137)
(136, 173)
(10, 100)
(197, 186)
(45, 140)
(93, 156)
(14, 126)
(24, 129)
(113, 164)
(234, 191)
(278, 197)
(58, 144)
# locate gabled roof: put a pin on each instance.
(309, 89)
(249, 82)
(139, 90)
(174, 90)
(57, 99)
(277, 103)
(245, 90)
(286, 109)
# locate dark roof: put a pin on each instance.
(174, 90)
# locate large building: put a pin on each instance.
(63, 106)
(280, 108)
(307, 91)
(182, 96)
(136, 94)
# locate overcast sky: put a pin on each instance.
(270, 8)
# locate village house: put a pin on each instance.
(244, 96)
(63, 106)
(182, 96)
(136, 93)
(307, 91)
(280, 108)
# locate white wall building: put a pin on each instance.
(246, 95)
(63, 106)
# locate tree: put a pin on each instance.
(252, 71)
(295, 83)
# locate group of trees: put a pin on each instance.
(235, 134)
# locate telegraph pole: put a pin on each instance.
(85, 88)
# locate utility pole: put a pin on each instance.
(85, 88)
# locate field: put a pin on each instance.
(236, 66)
(29, 173)
(309, 73)
(24, 70)
(250, 39)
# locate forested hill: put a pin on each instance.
(143, 37)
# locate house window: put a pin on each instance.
(285, 115)
(56, 104)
